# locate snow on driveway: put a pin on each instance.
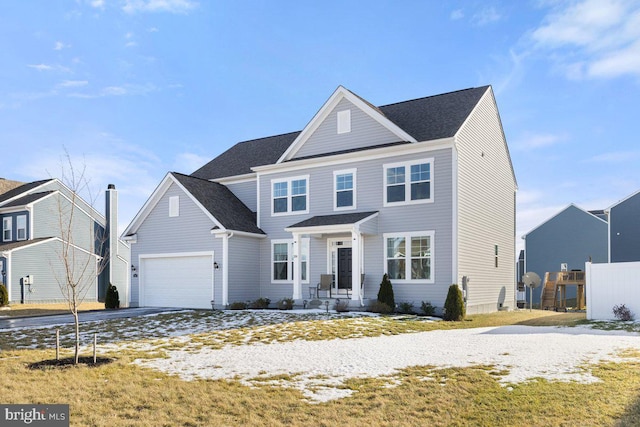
(320, 368)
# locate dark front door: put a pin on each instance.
(344, 268)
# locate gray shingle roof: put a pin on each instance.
(335, 219)
(239, 159)
(221, 203)
(25, 200)
(21, 189)
(426, 119)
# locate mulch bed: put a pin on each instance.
(67, 362)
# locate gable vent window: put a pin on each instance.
(174, 206)
(344, 121)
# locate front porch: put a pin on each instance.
(343, 236)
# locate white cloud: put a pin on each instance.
(171, 6)
(127, 89)
(535, 141)
(189, 162)
(616, 157)
(73, 83)
(60, 46)
(457, 14)
(47, 67)
(488, 15)
(41, 67)
(98, 4)
(592, 38)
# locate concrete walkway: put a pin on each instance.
(9, 323)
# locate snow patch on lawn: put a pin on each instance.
(320, 368)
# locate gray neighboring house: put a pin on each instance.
(423, 190)
(572, 236)
(31, 242)
(624, 229)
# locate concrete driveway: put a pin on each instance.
(85, 316)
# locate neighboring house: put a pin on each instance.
(624, 229)
(32, 243)
(573, 236)
(422, 190)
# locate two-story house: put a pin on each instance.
(422, 190)
(43, 222)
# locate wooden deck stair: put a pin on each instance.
(554, 292)
(549, 291)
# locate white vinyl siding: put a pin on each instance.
(7, 229)
(344, 189)
(485, 210)
(290, 196)
(408, 182)
(409, 256)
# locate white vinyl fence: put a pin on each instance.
(612, 284)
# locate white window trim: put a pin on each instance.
(290, 254)
(335, 189)
(174, 206)
(18, 227)
(343, 119)
(407, 236)
(290, 196)
(407, 184)
(7, 221)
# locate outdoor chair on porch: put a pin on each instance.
(326, 283)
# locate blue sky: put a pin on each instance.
(136, 88)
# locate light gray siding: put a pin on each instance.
(44, 264)
(365, 132)
(161, 234)
(625, 230)
(434, 216)
(485, 210)
(244, 271)
(572, 236)
(246, 192)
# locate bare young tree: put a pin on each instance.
(83, 252)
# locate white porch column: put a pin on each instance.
(297, 256)
(225, 268)
(355, 265)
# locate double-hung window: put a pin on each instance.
(409, 256)
(7, 229)
(21, 227)
(408, 182)
(290, 196)
(282, 260)
(344, 189)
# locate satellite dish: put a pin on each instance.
(531, 279)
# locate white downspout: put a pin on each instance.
(225, 268)
(297, 285)
(7, 271)
(355, 265)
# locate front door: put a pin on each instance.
(345, 267)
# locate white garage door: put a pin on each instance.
(184, 281)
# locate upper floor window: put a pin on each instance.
(344, 183)
(21, 227)
(408, 182)
(409, 256)
(289, 196)
(7, 229)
